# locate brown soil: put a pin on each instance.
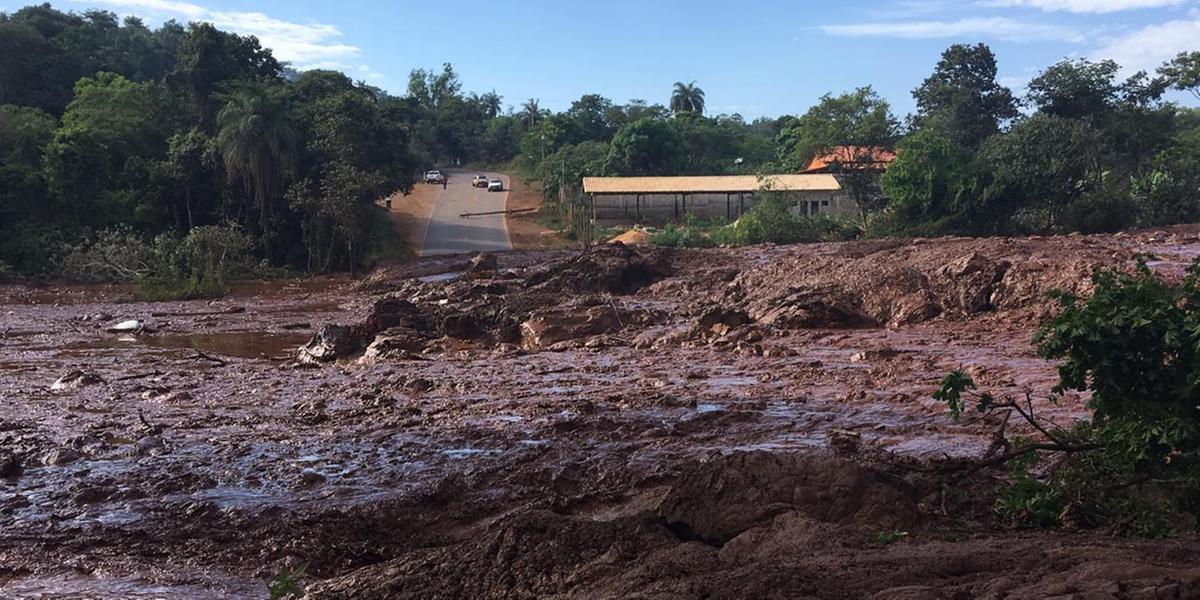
(631, 423)
(524, 231)
(410, 213)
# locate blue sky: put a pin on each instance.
(753, 58)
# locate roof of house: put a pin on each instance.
(717, 184)
(852, 157)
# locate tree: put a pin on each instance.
(860, 119)
(931, 178)
(431, 89)
(1183, 72)
(211, 59)
(1076, 88)
(962, 96)
(531, 112)
(24, 133)
(687, 97)
(1039, 170)
(589, 117)
(258, 144)
(646, 147)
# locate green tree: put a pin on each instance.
(856, 119)
(24, 133)
(931, 178)
(962, 96)
(257, 142)
(1076, 88)
(687, 98)
(1183, 72)
(646, 147)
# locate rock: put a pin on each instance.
(483, 266)
(843, 441)
(10, 466)
(75, 380)
(60, 456)
(394, 343)
(327, 345)
(463, 327)
(549, 327)
(720, 320)
(310, 479)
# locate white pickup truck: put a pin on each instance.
(434, 177)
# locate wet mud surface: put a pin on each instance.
(728, 423)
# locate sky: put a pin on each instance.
(755, 58)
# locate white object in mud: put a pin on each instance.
(126, 326)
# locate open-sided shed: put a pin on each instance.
(665, 199)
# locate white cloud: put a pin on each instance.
(1147, 48)
(302, 44)
(1086, 6)
(999, 28)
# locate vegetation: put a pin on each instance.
(1135, 465)
(108, 125)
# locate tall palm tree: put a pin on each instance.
(490, 103)
(258, 144)
(531, 112)
(687, 97)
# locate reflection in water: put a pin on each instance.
(241, 344)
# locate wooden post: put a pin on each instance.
(675, 198)
(639, 208)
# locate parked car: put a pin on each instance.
(496, 185)
(480, 181)
(434, 177)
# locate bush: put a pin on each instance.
(689, 234)
(771, 220)
(170, 267)
(1135, 465)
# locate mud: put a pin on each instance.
(634, 423)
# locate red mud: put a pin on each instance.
(730, 423)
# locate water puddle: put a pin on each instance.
(238, 344)
(74, 586)
(451, 276)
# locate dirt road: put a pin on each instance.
(448, 232)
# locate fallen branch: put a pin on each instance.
(212, 359)
(232, 310)
(510, 211)
(139, 376)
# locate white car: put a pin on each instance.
(480, 181)
(496, 185)
(434, 177)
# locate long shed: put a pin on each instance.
(666, 199)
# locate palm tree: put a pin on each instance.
(531, 112)
(490, 103)
(687, 98)
(257, 143)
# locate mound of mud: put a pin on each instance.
(893, 283)
(725, 497)
(537, 553)
(538, 307)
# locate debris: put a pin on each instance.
(129, 326)
(75, 380)
(483, 266)
(10, 467)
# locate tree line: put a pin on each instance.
(110, 130)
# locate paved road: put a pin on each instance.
(449, 233)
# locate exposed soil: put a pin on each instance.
(524, 231)
(631, 423)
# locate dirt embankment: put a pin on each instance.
(524, 230)
(634, 422)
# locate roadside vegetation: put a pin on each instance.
(109, 126)
(1134, 466)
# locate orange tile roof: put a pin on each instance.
(861, 157)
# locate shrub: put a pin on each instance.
(1135, 465)
(689, 234)
(169, 267)
(771, 220)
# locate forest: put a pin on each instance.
(186, 153)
